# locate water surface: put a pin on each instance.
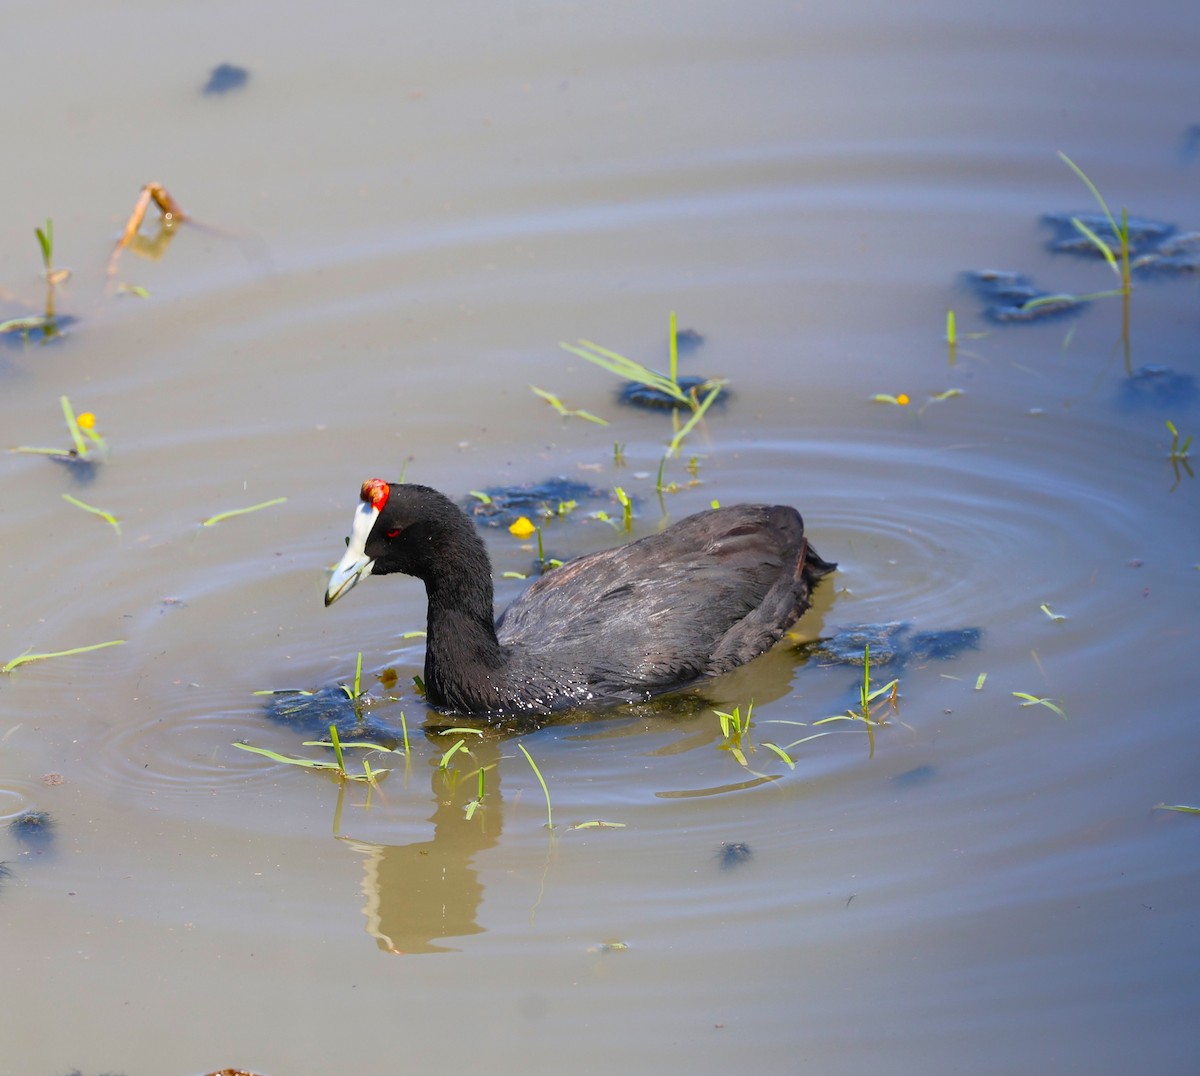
(407, 209)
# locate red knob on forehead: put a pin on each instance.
(375, 492)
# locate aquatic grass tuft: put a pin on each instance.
(1117, 260)
(867, 696)
(632, 370)
(25, 659)
(735, 731)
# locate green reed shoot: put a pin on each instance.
(45, 238)
(1178, 451)
(354, 694)
(626, 507)
(477, 802)
(674, 348)
(1177, 807)
(26, 658)
(337, 748)
(542, 782)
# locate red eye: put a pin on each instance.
(393, 534)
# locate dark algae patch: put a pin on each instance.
(732, 854)
(1154, 387)
(34, 829)
(892, 643)
(1013, 297)
(501, 506)
(225, 78)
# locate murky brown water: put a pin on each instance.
(415, 206)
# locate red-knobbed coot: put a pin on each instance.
(696, 600)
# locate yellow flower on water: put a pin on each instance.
(86, 421)
(902, 399)
(522, 528)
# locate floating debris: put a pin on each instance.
(224, 78)
(1013, 297)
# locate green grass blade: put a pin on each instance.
(618, 364)
(674, 371)
(1176, 807)
(1099, 244)
(212, 520)
(1091, 187)
(697, 415)
(108, 517)
(45, 240)
(542, 782)
(274, 756)
(337, 748)
(73, 426)
(25, 659)
(780, 752)
(458, 746)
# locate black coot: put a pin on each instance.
(696, 600)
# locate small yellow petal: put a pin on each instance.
(522, 528)
(902, 399)
(86, 421)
